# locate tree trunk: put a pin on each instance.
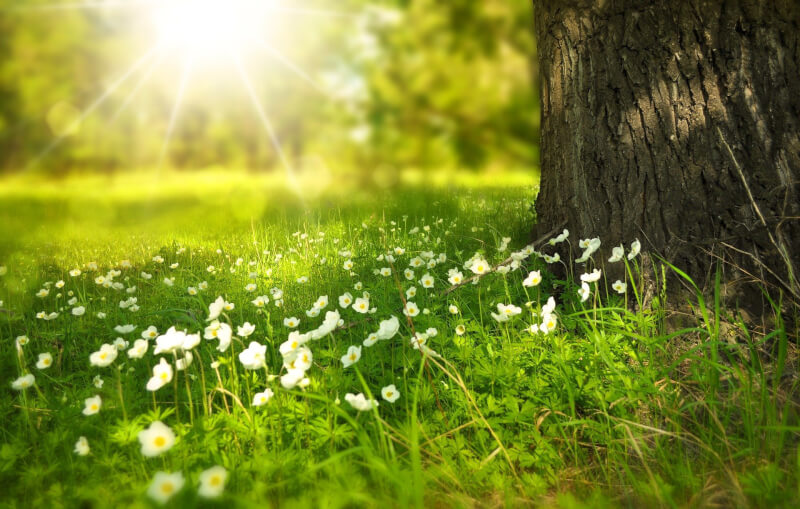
(677, 123)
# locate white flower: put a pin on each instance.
(139, 349)
(125, 329)
(328, 325)
(245, 330)
(82, 447)
(215, 309)
(549, 307)
(552, 259)
(120, 344)
(191, 290)
(311, 313)
(453, 309)
(348, 265)
(619, 286)
(418, 340)
(584, 292)
(636, 246)
(460, 329)
(456, 277)
(411, 292)
(591, 277)
(251, 287)
(101, 315)
(360, 402)
(221, 331)
(533, 279)
(164, 486)
(44, 292)
(390, 393)
(616, 254)
(371, 340)
(185, 362)
(559, 239)
(45, 361)
(162, 375)
(146, 276)
(409, 274)
(352, 356)
(23, 382)
(291, 322)
(169, 342)
(260, 301)
(299, 359)
(98, 382)
(548, 324)
(345, 300)
(479, 266)
(75, 272)
(361, 305)
(590, 246)
(92, 405)
(78, 311)
(293, 343)
(426, 281)
(190, 341)
(388, 328)
(410, 309)
(505, 312)
(254, 356)
(169, 281)
(103, 357)
(156, 440)
(302, 279)
(321, 303)
(292, 378)
(212, 481)
(261, 398)
(150, 332)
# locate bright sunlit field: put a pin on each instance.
(284, 253)
(216, 339)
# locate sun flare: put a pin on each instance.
(209, 28)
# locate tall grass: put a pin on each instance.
(615, 407)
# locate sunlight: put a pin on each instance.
(208, 28)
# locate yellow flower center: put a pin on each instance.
(160, 441)
(215, 480)
(389, 394)
(103, 356)
(353, 357)
(167, 488)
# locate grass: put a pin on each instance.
(612, 408)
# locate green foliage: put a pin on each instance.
(611, 408)
(396, 84)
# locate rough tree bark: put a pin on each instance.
(678, 123)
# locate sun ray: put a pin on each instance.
(173, 118)
(145, 77)
(289, 64)
(79, 6)
(92, 107)
(294, 184)
(306, 11)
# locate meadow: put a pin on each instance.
(215, 339)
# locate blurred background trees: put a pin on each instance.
(398, 84)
